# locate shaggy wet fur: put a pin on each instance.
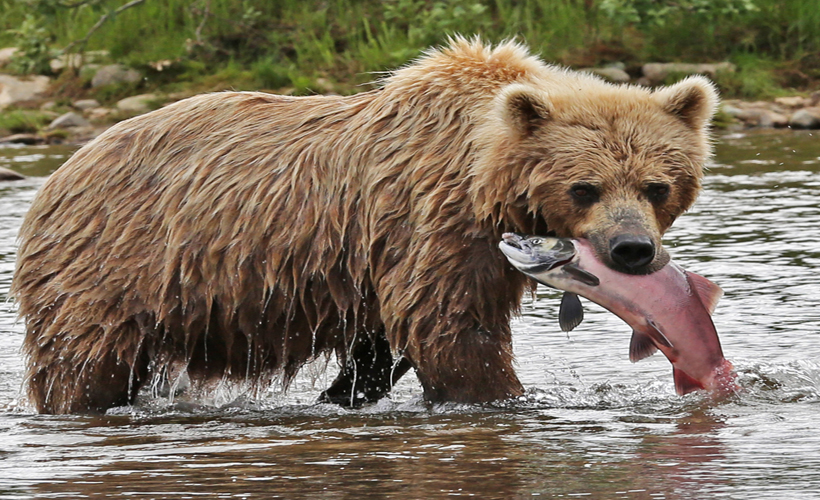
(242, 234)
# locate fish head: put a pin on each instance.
(536, 254)
(550, 261)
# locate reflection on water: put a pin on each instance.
(410, 453)
(592, 425)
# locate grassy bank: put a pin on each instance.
(340, 45)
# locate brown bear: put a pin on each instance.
(241, 234)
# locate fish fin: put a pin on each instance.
(684, 384)
(658, 336)
(581, 275)
(708, 292)
(641, 346)
(571, 312)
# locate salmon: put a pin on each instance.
(669, 310)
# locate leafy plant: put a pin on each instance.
(33, 54)
(658, 12)
(427, 22)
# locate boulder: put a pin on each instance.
(756, 114)
(100, 113)
(771, 118)
(29, 139)
(14, 89)
(137, 104)
(610, 73)
(69, 120)
(86, 104)
(791, 102)
(656, 73)
(66, 60)
(10, 175)
(78, 60)
(115, 73)
(806, 118)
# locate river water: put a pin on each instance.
(593, 425)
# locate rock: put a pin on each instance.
(10, 175)
(48, 106)
(14, 89)
(756, 114)
(101, 113)
(66, 60)
(731, 110)
(115, 73)
(806, 118)
(791, 102)
(69, 120)
(136, 104)
(770, 118)
(22, 139)
(610, 73)
(6, 54)
(656, 73)
(178, 96)
(814, 99)
(78, 60)
(86, 104)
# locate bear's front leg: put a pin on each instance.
(447, 304)
(469, 366)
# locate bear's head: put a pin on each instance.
(577, 157)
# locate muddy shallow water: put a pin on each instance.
(592, 425)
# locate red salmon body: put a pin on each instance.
(668, 310)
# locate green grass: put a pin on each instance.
(22, 121)
(293, 44)
(755, 78)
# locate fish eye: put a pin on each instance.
(584, 194)
(536, 241)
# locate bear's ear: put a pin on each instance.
(694, 100)
(524, 108)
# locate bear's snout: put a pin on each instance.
(634, 252)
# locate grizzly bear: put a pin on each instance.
(241, 234)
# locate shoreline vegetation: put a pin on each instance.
(70, 68)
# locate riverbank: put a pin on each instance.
(90, 56)
(76, 105)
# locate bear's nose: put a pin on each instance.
(632, 251)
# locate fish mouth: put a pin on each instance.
(513, 240)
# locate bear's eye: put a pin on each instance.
(657, 192)
(584, 194)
